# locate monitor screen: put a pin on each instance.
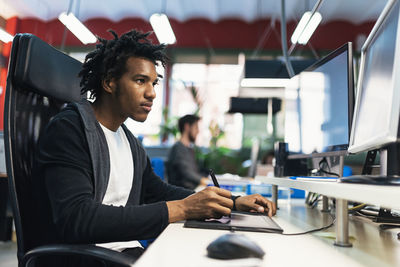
(319, 105)
(377, 110)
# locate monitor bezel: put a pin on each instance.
(392, 135)
(340, 149)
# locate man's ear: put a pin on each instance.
(186, 127)
(109, 85)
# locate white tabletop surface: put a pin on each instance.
(179, 246)
(379, 195)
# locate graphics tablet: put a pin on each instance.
(239, 221)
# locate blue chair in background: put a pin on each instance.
(347, 171)
(158, 167)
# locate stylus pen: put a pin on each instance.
(216, 184)
(214, 179)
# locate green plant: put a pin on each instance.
(196, 97)
(216, 133)
(221, 160)
(169, 127)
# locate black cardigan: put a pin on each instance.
(70, 178)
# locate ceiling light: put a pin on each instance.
(306, 27)
(264, 82)
(77, 28)
(5, 36)
(162, 28)
(300, 27)
(310, 28)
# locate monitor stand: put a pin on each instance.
(389, 168)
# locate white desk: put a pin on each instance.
(178, 246)
(384, 196)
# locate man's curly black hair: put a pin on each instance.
(109, 58)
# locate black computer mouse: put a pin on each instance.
(234, 246)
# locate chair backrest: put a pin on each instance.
(158, 166)
(40, 81)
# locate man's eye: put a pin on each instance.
(141, 81)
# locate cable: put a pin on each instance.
(359, 213)
(312, 199)
(358, 207)
(313, 230)
(386, 226)
(329, 173)
(315, 201)
(321, 168)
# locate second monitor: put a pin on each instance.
(319, 107)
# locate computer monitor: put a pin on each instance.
(319, 105)
(377, 109)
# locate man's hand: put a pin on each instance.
(211, 202)
(204, 181)
(255, 203)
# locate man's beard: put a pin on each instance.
(192, 138)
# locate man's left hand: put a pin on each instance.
(255, 203)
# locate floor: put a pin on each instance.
(8, 254)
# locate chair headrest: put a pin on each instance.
(45, 70)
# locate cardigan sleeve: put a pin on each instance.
(64, 165)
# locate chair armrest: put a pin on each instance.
(80, 250)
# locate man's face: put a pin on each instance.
(193, 131)
(134, 92)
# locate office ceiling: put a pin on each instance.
(210, 24)
(354, 11)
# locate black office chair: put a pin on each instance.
(41, 80)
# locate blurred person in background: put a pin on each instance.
(182, 166)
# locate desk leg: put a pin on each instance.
(325, 204)
(274, 194)
(342, 224)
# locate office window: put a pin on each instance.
(214, 84)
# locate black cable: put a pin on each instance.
(329, 173)
(386, 226)
(310, 196)
(324, 161)
(313, 230)
(321, 169)
(315, 201)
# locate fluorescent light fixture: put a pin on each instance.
(300, 27)
(5, 36)
(264, 82)
(77, 28)
(306, 27)
(162, 28)
(310, 28)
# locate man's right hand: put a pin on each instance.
(211, 202)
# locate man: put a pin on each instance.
(93, 180)
(182, 166)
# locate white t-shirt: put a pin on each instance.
(121, 178)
